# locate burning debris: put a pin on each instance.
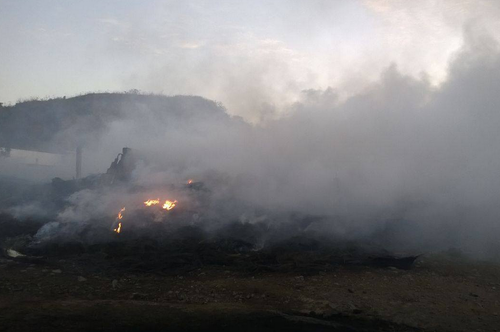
(121, 168)
(151, 202)
(120, 216)
(169, 205)
(154, 233)
(118, 228)
(163, 236)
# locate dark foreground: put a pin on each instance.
(438, 294)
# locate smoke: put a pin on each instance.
(257, 72)
(402, 155)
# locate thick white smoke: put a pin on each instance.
(403, 151)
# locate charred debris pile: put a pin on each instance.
(170, 236)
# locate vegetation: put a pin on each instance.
(60, 124)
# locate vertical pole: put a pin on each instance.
(78, 162)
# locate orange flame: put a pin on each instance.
(169, 205)
(190, 181)
(118, 229)
(151, 202)
(120, 216)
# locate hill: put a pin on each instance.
(60, 124)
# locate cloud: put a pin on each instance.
(110, 21)
(191, 45)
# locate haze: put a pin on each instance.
(254, 56)
(362, 111)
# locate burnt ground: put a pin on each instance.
(147, 279)
(440, 293)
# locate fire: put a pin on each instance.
(151, 202)
(190, 181)
(169, 205)
(120, 216)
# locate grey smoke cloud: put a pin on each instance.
(395, 146)
(401, 150)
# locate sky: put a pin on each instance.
(256, 57)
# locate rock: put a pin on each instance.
(114, 283)
(57, 271)
(81, 279)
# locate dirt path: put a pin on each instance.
(437, 296)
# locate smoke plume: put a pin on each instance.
(402, 157)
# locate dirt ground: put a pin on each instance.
(439, 294)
